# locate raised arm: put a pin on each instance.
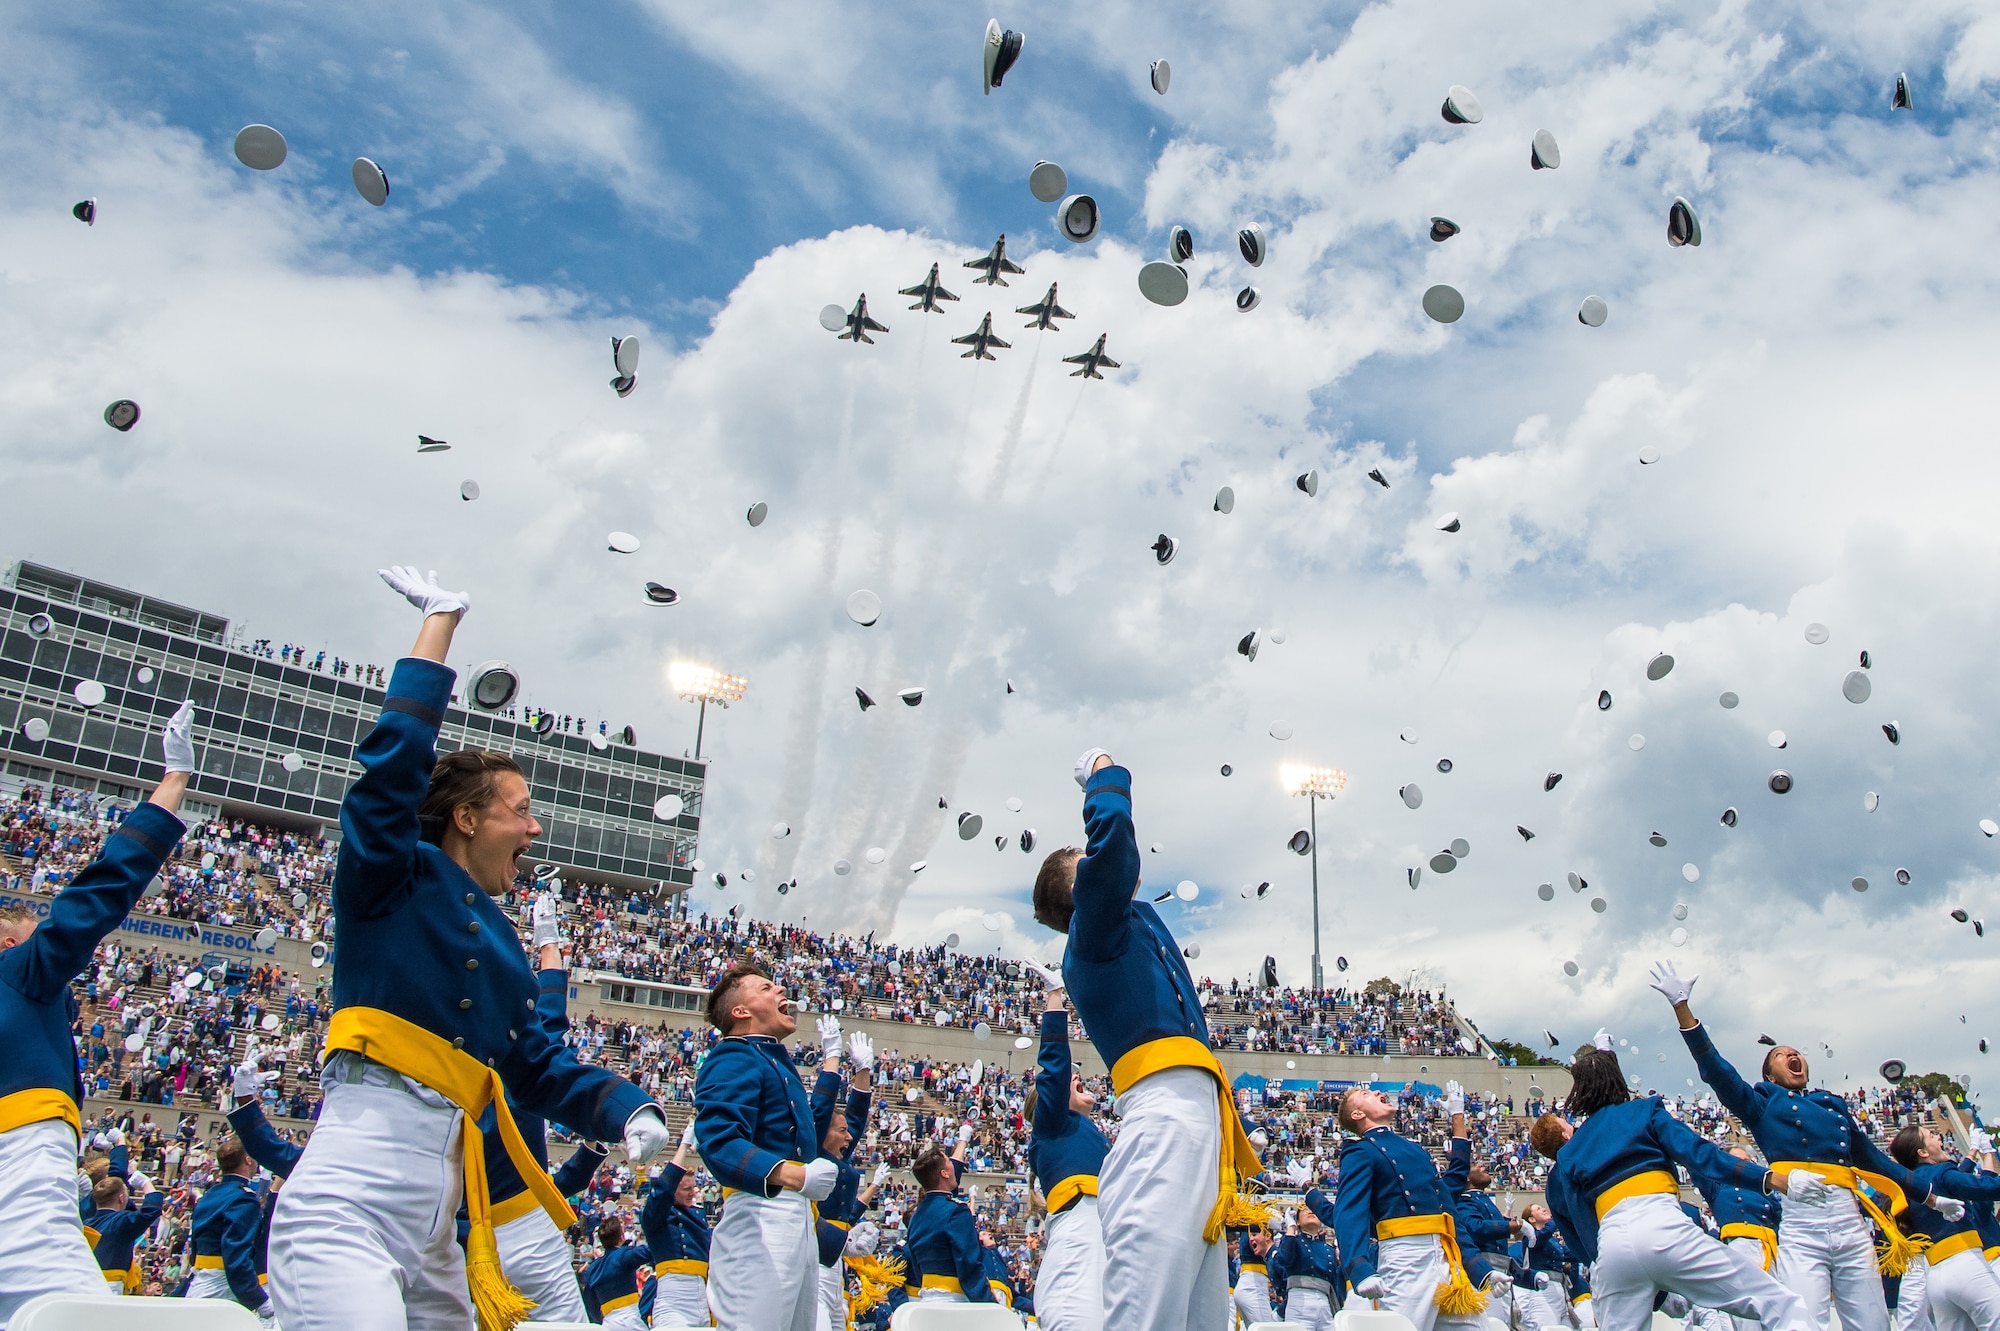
(40, 966)
(1053, 1071)
(1108, 874)
(261, 1141)
(1735, 1094)
(1701, 1157)
(378, 820)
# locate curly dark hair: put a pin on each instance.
(1596, 1082)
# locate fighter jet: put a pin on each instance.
(859, 324)
(995, 263)
(1092, 361)
(979, 339)
(928, 293)
(1046, 311)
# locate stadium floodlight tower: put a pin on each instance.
(705, 685)
(1316, 784)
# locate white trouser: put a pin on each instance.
(1540, 1309)
(1154, 1195)
(680, 1300)
(1412, 1268)
(42, 1248)
(1647, 1244)
(1499, 1310)
(1913, 1306)
(1964, 1296)
(832, 1298)
(535, 1257)
(114, 1282)
(1828, 1251)
(763, 1264)
(1069, 1286)
(364, 1233)
(1583, 1312)
(625, 1319)
(1307, 1307)
(210, 1283)
(931, 1295)
(1252, 1298)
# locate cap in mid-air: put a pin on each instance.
(1162, 75)
(1001, 49)
(85, 212)
(1443, 229)
(1048, 181)
(1683, 226)
(260, 147)
(1461, 107)
(122, 415)
(659, 594)
(1444, 304)
(370, 181)
(1543, 155)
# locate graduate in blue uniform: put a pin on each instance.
(677, 1235)
(1959, 1287)
(228, 1218)
(840, 1130)
(754, 1125)
(42, 1247)
(1548, 1264)
(1305, 1274)
(1066, 1151)
(1484, 1233)
(1250, 1294)
(946, 1261)
(1826, 1240)
(1169, 1187)
(1614, 1191)
(114, 1226)
(999, 1275)
(434, 1020)
(1393, 1222)
(611, 1280)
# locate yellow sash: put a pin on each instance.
(1893, 1254)
(1951, 1247)
(1001, 1294)
(622, 1301)
(1639, 1185)
(207, 1263)
(1258, 1267)
(1071, 1188)
(91, 1236)
(38, 1106)
(944, 1282)
(681, 1266)
(1764, 1234)
(1456, 1297)
(507, 1212)
(386, 1038)
(1239, 1157)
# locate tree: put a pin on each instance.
(1938, 1086)
(1385, 985)
(1521, 1055)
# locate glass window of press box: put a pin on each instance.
(596, 807)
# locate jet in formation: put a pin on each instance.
(860, 324)
(994, 263)
(980, 340)
(928, 293)
(1092, 360)
(1046, 311)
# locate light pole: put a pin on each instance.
(1316, 784)
(705, 685)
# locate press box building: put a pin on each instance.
(251, 713)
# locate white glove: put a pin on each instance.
(1675, 1306)
(546, 919)
(862, 1240)
(1052, 976)
(821, 1175)
(177, 744)
(1298, 1173)
(116, 1137)
(965, 1134)
(881, 1173)
(423, 592)
(1260, 1139)
(1085, 763)
(862, 1050)
(1951, 1208)
(1601, 1040)
(1371, 1288)
(141, 1185)
(249, 1082)
(687, 1135)
(829, 1036)
(1982, 1141)
(1499, 1286)
(1670, 984)
(1808, 1189)
(1454, 1098)
(646, 1135)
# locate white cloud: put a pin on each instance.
(1814, 377)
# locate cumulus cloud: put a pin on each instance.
(1812, 377)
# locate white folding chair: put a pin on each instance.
(112, 1312)
(1370, 1319)
(918, 1315)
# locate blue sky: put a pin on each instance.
(1815, 378)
